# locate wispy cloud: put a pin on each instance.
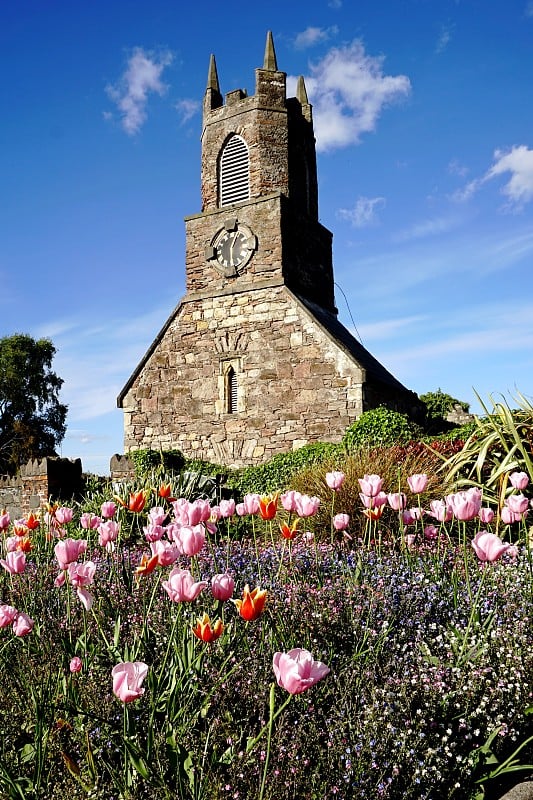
(141, 78)
(429, 227)
(444, 39)
(312, 36)
(456, 168)
(187, 109)
(349, 90)
(518, 161)
(96, 361)
(529, 9)
(364, 213)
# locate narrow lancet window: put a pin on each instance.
(231, 391)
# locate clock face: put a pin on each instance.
(232, 248)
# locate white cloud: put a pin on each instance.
(187, 109)
(349, 91)
(529, 9)
(335, 3)
(364, 211)
(141, 77)
(519, 162)
(519, 188)
(312, 36)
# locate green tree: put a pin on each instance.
(32, 420)
(439, 404)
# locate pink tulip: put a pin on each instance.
(187, 513)
(335, 480)
(375, 501)
(108, 509)
(431, 532)
(181, 587)
(12, 543)
(75, 664)
(64, 515)
(89, 521)
(81, 574)
(22, 625)
(85, 598)
(518, 480)
(127, 679)
(249, 505)
(297, 671)
(306, 506)
(488, 546)
(508, 517)
(397, 500)
(371, 485)
(69, 550)
(166, 552)
(518, 503)
(227, 508)
(441, 510)
(153, 532)
(288, 500)
(418, 483)
(189, 540)
(465, 505)
(8, 615)
(222, 587)
(341, 522)
(5, 520)
(14, 562)
(486, 515)
(157, 515)
(108, 532)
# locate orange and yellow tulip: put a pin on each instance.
(147, 565)
(207, 632)
(252, 604)
(268, 506)
(289, 531)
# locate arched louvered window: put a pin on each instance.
(231, 391)
(234, 171)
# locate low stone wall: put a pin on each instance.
(39, 481)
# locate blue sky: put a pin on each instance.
(424, 122)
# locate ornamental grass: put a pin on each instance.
(147, 653)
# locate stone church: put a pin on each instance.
(254, 361)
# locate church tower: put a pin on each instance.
(254, 361)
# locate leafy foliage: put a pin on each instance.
(439, 404)
(381, 427)
(32, 420)
(276, 474)
(502, 442)
(156, 462)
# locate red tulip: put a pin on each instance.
(207, 632)
(252, 604)
(268, 506)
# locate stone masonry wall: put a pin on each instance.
(294, 384)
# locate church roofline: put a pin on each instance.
(328, 321)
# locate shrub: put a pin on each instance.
(276, 474)
(381, 427)
(156, 462)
